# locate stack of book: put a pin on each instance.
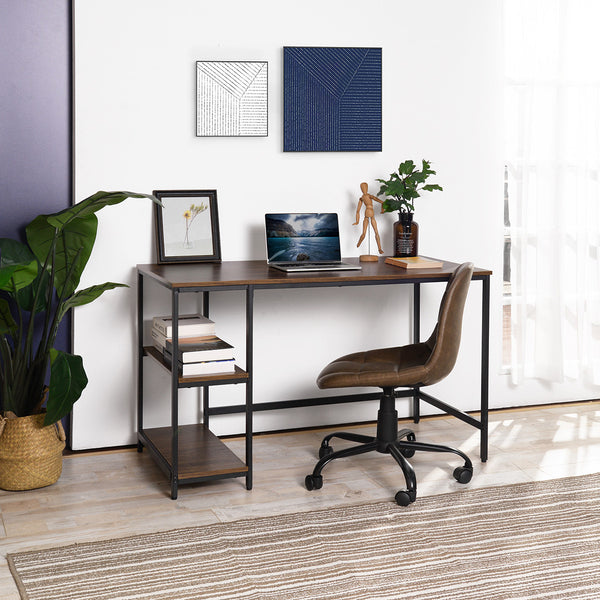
(200, 351)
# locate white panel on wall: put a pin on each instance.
(135, 128)
(231, 98)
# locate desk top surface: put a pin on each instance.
(258, 273)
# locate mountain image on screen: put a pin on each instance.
(302, 237)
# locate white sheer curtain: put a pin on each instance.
(552, 110)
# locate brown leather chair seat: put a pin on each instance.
(396, 367)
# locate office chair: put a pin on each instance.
(413, 365)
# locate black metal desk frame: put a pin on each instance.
(157, 272)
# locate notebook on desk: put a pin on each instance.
(300, 242)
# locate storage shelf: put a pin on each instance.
(238, 376)
(202, 455)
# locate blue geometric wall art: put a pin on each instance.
(231, 98)
(331, 99)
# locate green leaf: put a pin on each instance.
(92, 205)
(72, 246)
(18, 267)
(419, 176)
(392, 205)
(5, 274)
(406, 168)
(14, 253)
(67, 381)
(430, 187)
(7, 323)
(26, 296)
(71, 233)
(89, 295)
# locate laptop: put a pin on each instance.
(301, 242)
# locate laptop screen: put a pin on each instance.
(311, 237)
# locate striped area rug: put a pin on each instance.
(526, 541)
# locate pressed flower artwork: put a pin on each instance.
(187, 226)
(189, 215)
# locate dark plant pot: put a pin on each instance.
(30, 453)
(406, 236)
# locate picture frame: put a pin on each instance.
(332, 99)
(187, 226)
(232, 98)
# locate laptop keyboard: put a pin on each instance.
(299, 263)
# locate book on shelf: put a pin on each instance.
(188, 325)
(414, 262)
(160, 340)
(208, 367)
(200, 349)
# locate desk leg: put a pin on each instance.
(416, 339)
(205, 388)
(175, 399)
(140, 357)
(485, 366)
(249, 384)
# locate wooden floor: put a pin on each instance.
(115, 494)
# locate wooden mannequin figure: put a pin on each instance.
(367, 200)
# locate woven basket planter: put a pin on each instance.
(30, 454)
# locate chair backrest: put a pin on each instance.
(445, 339)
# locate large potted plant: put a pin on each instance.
(38, 383)
(401, 190)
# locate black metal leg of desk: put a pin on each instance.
(205, 388)
(140, 357)
(416, 339)
(249, 383)
(175, 398)
(485, 365)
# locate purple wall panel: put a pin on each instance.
(35, 111)
(35, 114)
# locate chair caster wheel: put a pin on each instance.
(325, 451)
(410, 437)
(404, 498)
(313, 482)
(463, 474)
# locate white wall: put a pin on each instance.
(134, 115)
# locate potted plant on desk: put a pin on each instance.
(38, 287)
(400, 190)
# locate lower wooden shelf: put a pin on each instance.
(202, 455)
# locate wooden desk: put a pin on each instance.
(256, 275)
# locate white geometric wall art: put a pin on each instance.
(231, 98)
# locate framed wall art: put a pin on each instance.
(231, 98)
(187, 226)
(331, 99)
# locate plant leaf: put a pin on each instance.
(26, 296)
(5, 275)
(392, 205)
(406, 168)
(67, 381)
(89, 295)
(73, 246)
(18, 267)
(73, 232)
(14, 253)
(7, 323)
(92, 205)
(430, 187)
